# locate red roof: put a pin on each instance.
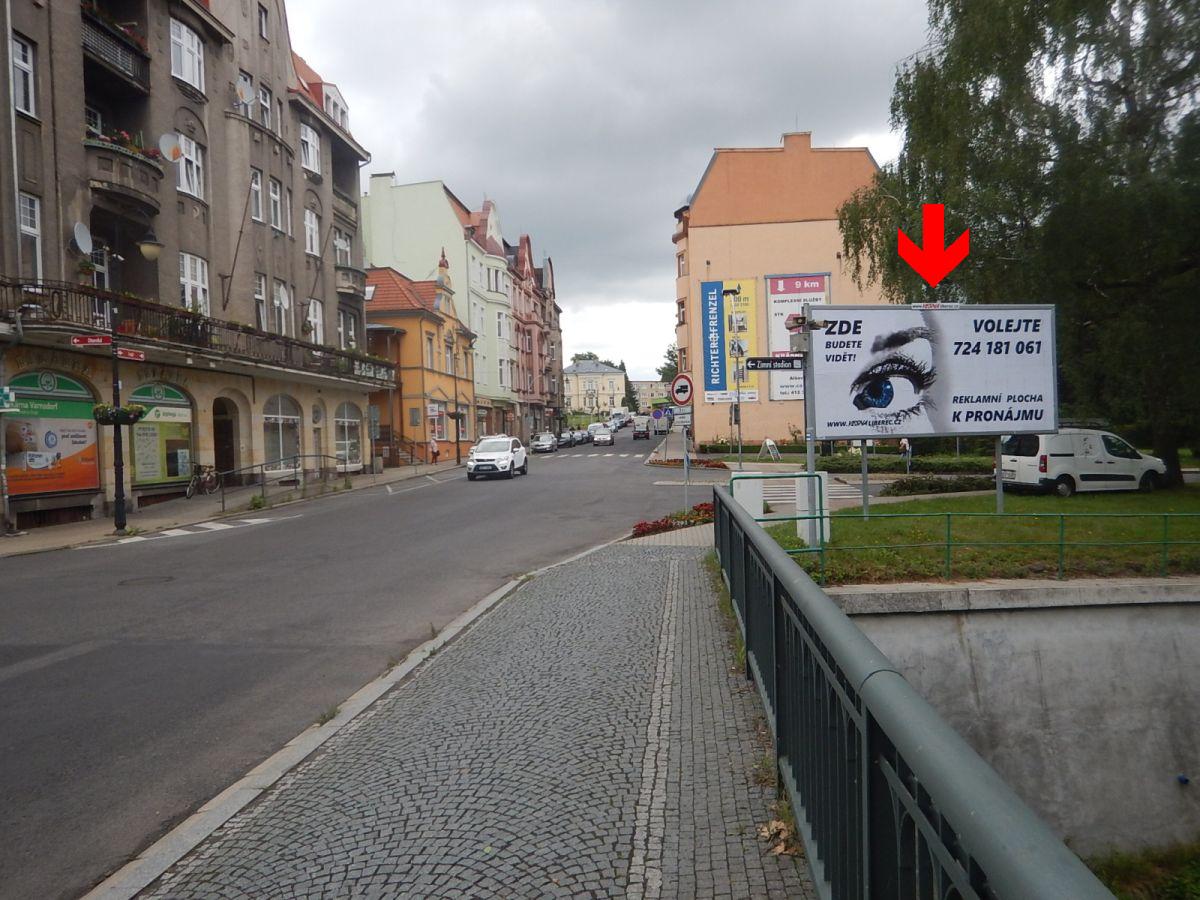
(395, 292)
(310, 81)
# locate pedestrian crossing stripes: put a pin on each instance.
(555, 456)
(188, 530)
(783, 490)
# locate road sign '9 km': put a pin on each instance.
(681, 390)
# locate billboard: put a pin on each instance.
(786, 296)
(922, 371)
(50, 442)
(730, 333)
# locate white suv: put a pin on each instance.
(504, 456)
(1077, 459)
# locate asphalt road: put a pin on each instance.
(139, 680)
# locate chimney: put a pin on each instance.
(797, 140)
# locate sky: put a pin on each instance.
(589, 122)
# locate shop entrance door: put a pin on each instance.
(225, 434)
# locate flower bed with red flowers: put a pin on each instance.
(699, 514)
(694, 463)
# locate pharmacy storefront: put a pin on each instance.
(50, 442)
(161, 449)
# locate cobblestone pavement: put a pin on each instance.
(586, 738)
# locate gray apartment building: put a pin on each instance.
(174, 176)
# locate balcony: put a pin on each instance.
(349, 280)
(344, 206)
(115, 50)
(126, 173)
(51, 312)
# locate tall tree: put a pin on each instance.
(576, 357)
(629, 400)
(670, 367)
(1066, 136)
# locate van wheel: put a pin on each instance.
(1149, 483)
(1064, 486)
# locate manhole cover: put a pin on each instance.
(146, 579)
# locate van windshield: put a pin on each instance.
(1020, 445)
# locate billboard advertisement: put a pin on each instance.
(162, 440)
(50, 442)
(730, 331)
(922, 371)
(786, 296)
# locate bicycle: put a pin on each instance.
(205, 479)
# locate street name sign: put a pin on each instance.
(135, 355)
(775, 363)
(90, 340)
(681, 390)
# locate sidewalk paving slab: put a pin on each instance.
(587, 737)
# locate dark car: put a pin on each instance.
(566, 439)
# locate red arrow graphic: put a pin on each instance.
(935, 260)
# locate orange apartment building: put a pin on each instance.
(413, 325)
(758, 238)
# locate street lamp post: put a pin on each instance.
(118, 450)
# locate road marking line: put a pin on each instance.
(608, 454)
(214, 526)
(49, 659)
(623, 455)
(175, 532)
(593, 454)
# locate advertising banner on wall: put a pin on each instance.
(730, 333)
(50, 442)
(922, 371)
(162, 440)
(786, 296)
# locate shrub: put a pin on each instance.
(929, 484)
(699, 514)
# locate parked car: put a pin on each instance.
(582, 436)
(641, 427)
(603, 436)
(1077, 459)
(592, 429)
(504, 456)
(567, 439)
(544, 442)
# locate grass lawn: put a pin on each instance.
(1088, 532)
(1170, 874)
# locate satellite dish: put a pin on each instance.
(169, 145)
(83, 238)
(244, 92)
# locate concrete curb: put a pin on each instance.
(228, 514)
(138, 874)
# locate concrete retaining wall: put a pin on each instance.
(1084, 695)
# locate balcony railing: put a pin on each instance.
(115, 50)
(81, 308)
(344, 206)
(123, 172)
(349, 280)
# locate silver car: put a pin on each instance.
(544, 442)
(603, 436)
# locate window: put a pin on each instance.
(316, 321)
(260, 301)
(312, 233)
(187, 55)
(256, 204)
(265, 101)
(337, 109)
(100, 272)
(245, 88)
(29, 209)
(263, 23)
(347, 329)
(193, 283)
(501, 364)
(191, 167)
(1118, 448)
(683, 365)
(93, 121)
(281, 432)
(341, 247)
(287, 210)
(347, 434)
(681, 311)
(449, 353)
(275, 192)
(281, 302)
(429, 351)
(680, 265)
(24, 85)
(310, 149)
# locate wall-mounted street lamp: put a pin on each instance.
(150, 246)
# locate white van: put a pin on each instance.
(1077, 459)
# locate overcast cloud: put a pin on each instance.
(589, 123)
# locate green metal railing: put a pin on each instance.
(1165, 536)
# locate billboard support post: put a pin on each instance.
(999, 477)
(810, 430)
(866, 494)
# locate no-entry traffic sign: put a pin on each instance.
(681, 390)
(90, 340)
